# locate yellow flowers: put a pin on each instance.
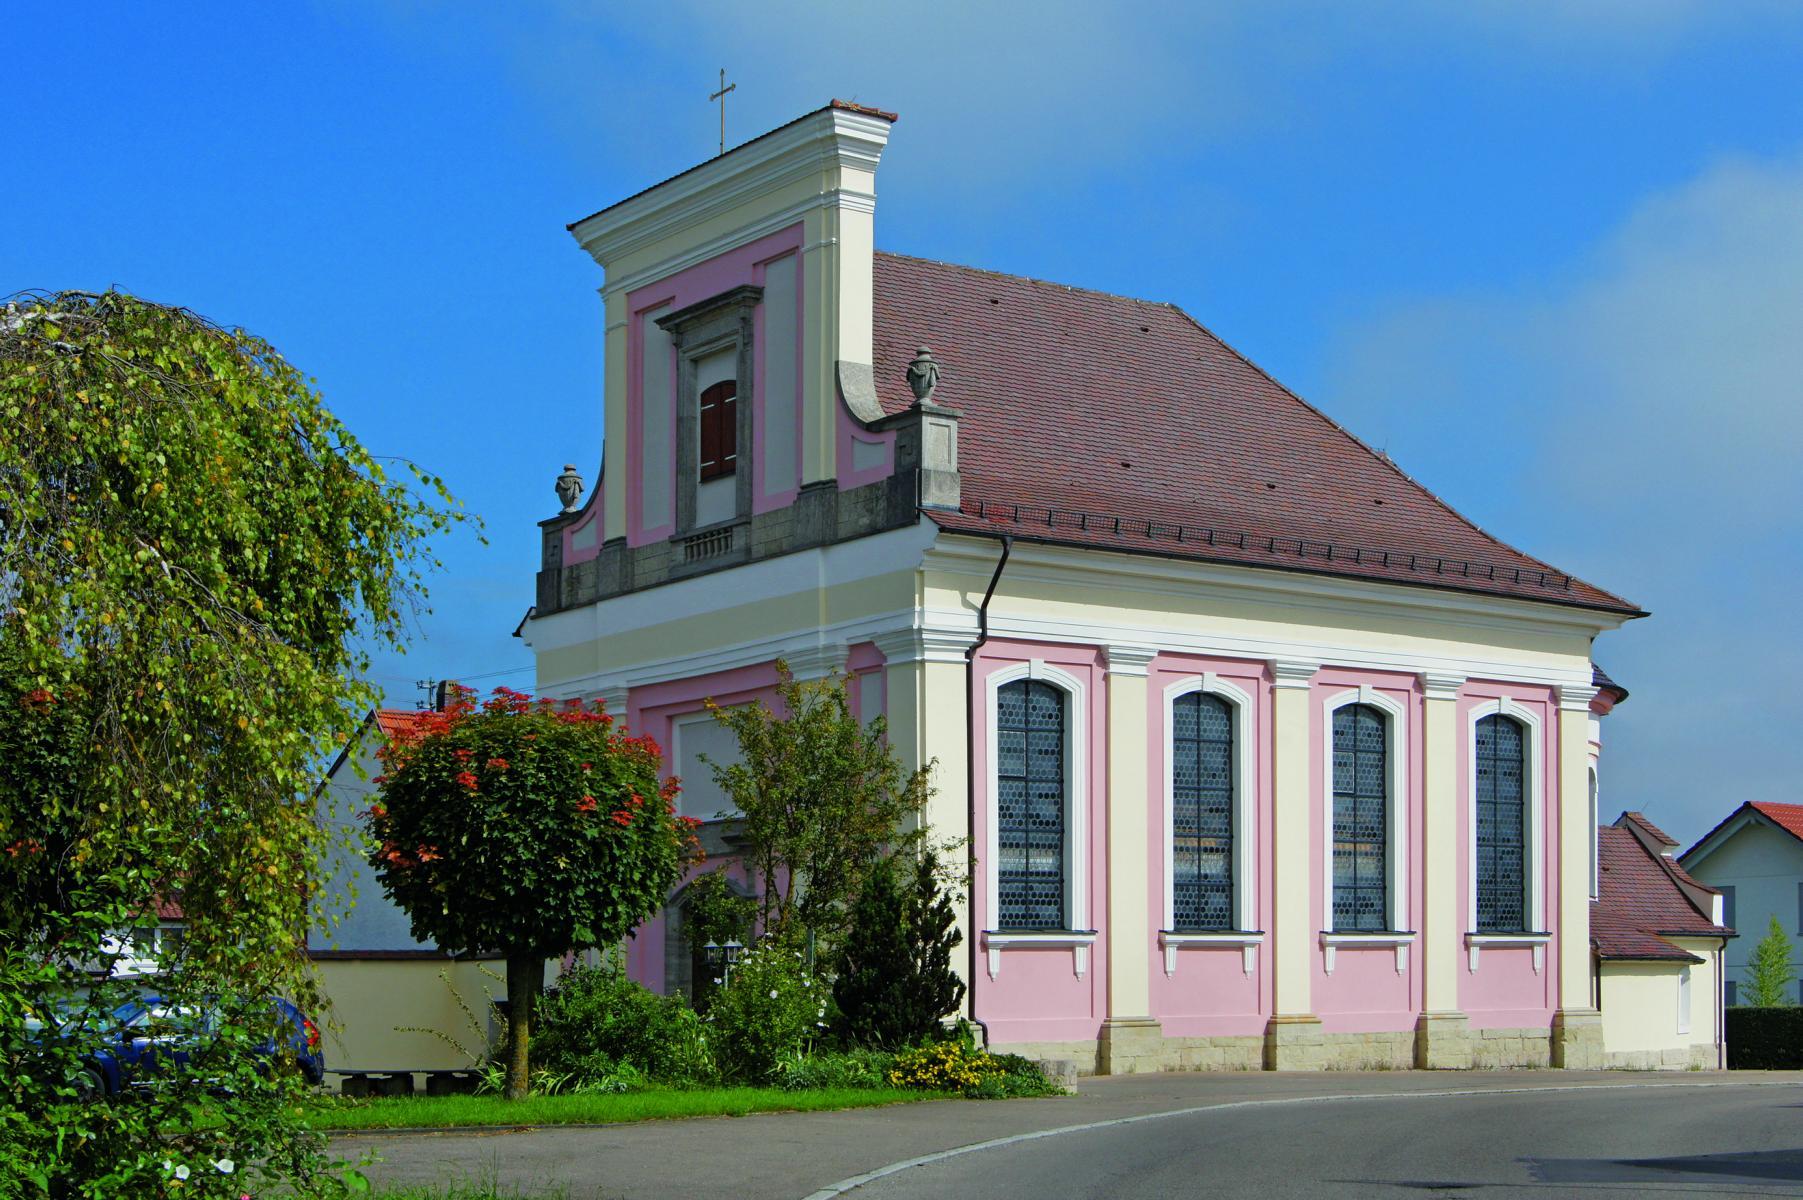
(946, 1067)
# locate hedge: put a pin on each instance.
(1765, 1039)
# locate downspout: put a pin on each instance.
(970, 759)
(1721, 1004)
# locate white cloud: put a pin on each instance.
(1643, 412)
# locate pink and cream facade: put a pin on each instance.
(1265, 757)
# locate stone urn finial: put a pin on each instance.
(923, 375)
(569, 488)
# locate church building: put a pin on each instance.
(1265, 755)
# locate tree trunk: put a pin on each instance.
(524, 973)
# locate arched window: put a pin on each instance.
(719, 428)
(1500, 808)
(1361, 819)
(1030, 806)
(1202, 791)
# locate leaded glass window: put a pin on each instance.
(1501, 810)
(1030, 804)
(1361, 819)
(1202, 787)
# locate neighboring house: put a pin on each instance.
(383, 985)
(139, 951)
(1659, 938)
(1264, 755)
(1755, 859)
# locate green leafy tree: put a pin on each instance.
(528, 830)
(1770, 970)
(196, 559)
(712, 911)
(895, 977)
(823, 797)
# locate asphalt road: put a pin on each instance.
(1262, 1135)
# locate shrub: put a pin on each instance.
(597, 1025)
(859, 1068)
(895, 971)
(956, 1066)
(1770, 971)
(1764, 1039)
(772, 1009)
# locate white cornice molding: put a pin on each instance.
(831, 140)
(1293, 672)
(1576, 697)
(1153, 574)
(825, 658)
(1442, 685)
(1131, 659)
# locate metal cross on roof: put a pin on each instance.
(720, 95)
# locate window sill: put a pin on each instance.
(1247, 941)
(1077, 941)
(1396, 939)
(1475, 942)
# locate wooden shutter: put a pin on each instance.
(719, 430)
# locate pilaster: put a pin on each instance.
(1574, 847)
(1578, 1039)
(1443, 906)
(1292, 861)
(1131, 1039)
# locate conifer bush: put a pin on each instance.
(895, 978)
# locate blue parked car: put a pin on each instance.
(149, 1028)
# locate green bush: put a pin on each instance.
(835, 1069)
(772, 1009)
(895, 971)
(1764, 1039)
(604, 1032)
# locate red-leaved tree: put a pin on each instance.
(528, 829)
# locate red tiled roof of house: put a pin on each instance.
(1639, 899)
(1788, 816)
(399, 722)
(1098, 420)
(1657, 834)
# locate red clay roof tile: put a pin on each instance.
(1788, 816)
(1099, 420)
(1638, 900)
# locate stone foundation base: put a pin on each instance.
(1577, 1039)
(1294, 1043)
(1393, 1051)
(1676, 1058)
(1442, 1042)
(1131, 1046)
(1506, 1049)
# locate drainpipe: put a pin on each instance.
(970, 757)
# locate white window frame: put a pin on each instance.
(1684, 999)
(1396, 729)
(1078, 939)
(1534, 802)
(1593, 786)
(1243, 935)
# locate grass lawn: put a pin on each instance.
(423, 1111)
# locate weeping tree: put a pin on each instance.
(196, 559)
(527, 829)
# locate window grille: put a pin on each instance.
(1501, 809)
(1361, 817)
(1030, 803)
(1202, 787)
(719, 430)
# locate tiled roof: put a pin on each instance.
(398, 722)
(1788, 816)
(1658, 834)
(1097, 420)
(1599, 678)
(1639, 899)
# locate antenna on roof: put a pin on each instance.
(720, 95)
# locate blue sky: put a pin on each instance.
(1549, 256)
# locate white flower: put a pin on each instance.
(181, 1171)
(167, 1165)
(773, 993)
(807, 983)
(224, 1166)
(716, 981)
